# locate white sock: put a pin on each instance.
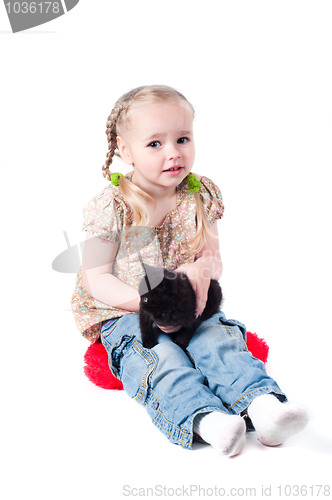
(274, 421)
(226, 433)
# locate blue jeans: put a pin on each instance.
(217, 373)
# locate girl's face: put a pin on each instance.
(159, 143)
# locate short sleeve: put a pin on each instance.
(103, 216)
(212, 199)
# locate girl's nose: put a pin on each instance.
(173, 154)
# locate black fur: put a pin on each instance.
(171, 302)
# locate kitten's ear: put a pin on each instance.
(153, 276)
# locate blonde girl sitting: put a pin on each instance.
(216, 390)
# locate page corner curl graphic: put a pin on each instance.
(25, 14)
(70, 4)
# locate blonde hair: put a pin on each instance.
(136, 197)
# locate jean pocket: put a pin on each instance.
(235, 323)
(116, 351)
(236, 330)
(137, 366)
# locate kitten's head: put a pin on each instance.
(171, 301)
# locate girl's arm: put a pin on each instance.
(97, 263)
(207, 266)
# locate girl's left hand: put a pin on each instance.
(200, 277)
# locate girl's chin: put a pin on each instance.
(176, 178)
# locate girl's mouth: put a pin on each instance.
(173, 170)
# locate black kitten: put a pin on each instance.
(168, 299)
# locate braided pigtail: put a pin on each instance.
(111, 132)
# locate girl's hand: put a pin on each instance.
(200, 277)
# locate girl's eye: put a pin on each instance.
(183, 140)
(154, 144)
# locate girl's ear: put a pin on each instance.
(124, 150)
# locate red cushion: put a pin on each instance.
(257, 346)
(96, 367)
(97, 370)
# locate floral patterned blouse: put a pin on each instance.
(109, 216)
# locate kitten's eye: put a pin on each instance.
(145, 299)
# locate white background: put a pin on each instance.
(259, 75)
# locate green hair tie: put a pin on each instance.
(193, 183)
(114, 178)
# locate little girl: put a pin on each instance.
(160, 211)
